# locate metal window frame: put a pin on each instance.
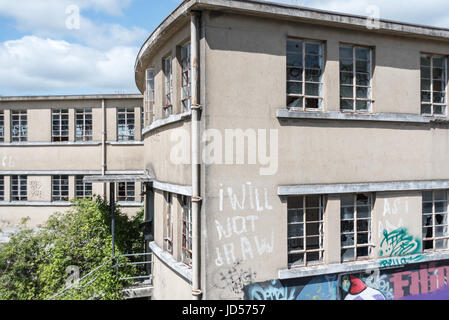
(354, 98)
(355, 219)
(129, 119)
(2, 126)
(58, 194)
(125, 188)
(186, 79)
(81, 117)
(21, 117)
(320, 235)
(434, 238)
(168, 85)
(59, 115)
(149, 94)
(303, 96)
(432, 104)
(186, 246)
(19, 181)
(168, 230)
(81, 188)
(2, 188)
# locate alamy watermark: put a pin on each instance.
(230, 147)
(73, 17)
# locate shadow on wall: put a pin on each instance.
(424, 281)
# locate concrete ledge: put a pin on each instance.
(362, 187)
(125, 143)
(50, 144)
(125, 204)
(71, 97)
(336, 115)
(67, 172)
(34, 204)
(180, 268)
(166, 121)
(357, 266)
(174, 188)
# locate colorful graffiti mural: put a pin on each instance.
(419, 281)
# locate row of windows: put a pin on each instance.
(60, 125)
(167, 97)
(60, 189)
(306, 225)
(186, 242)
(305, 67)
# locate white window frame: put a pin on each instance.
(186, 230)
(2, 126)
(82, 189)
(168, 86)
(129, 124)
(19, 131)
(2, 188)
(149, 95)
(369, 100)
(19, 182)
(303, 81)
(433, 104)
(186, 81)
(59, 125)
(434, 238)
(355, 219)
(83, 130)
(168, 219)
(60, 188)
(305, 251)
(126, 191)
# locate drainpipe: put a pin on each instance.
(103, 143)
(196, 196)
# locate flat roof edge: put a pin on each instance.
(69, 97)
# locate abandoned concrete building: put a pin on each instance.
(284, 153)
(49, 143)
(316, 164)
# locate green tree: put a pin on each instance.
(36, 264)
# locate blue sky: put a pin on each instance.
(40, 54)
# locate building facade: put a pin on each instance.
(323, 148)
(49, 144)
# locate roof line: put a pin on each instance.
(70, 97)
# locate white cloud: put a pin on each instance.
(430, 12)
(34, 65)
(47, 18)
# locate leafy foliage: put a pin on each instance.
(36, 264)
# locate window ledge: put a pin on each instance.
(348, 267)
(180, 268)
(125, 204)
(166, 121)
(337, 115)
(49, 143)
(125, 143)
(34, 204)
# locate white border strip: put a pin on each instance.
(66, 172)
(362, 187)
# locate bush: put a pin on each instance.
(35, 264)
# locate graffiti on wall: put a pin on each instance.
(399, 247)
(233, 280)
(414, 281)
(237, 235)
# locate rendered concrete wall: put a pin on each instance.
(164, 278)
